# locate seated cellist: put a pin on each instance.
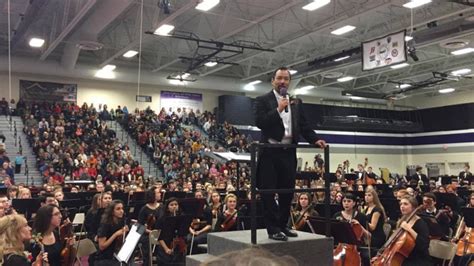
(417, 229)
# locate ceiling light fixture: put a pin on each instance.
(315, 4)
(164, 30)
(255, 82)
(397, 66)
(408, 38)
(463, 51)
(341, 58)
(416, 3)
(447, 90)
(177, 82)
(344, 79)
(206, 5)
(130, 53)
(343, 30)
(404, 86)
(460, 72)
(36, 42)
(210, 64)
(308, 87)
(109, 67)
(249, 87)
(293, 71)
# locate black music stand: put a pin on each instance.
(174, 194)
(342, 232)
(320, 208)
(352, 177)
(192, 206)
(433, 226)
(26, 206)
(468, 214)
(178, 225)
(446, 199)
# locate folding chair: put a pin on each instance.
(84, 247)
(442, 250)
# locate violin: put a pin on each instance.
(465, 244)
(68, 253)
(151, 221)
(230, 220)
(196, 224)
(301, 220)
(398, 247)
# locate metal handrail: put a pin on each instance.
(254, 148)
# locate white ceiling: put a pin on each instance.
(297, 36)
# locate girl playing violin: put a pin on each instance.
(111, 233)
(148, 216)
(350, 213)
(301, 213)
(168, 253)
(46, 222)
(227, 221)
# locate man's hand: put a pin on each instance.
(282, 103)
(320, 143)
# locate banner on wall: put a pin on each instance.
(39, 91)
(177, 100)
(386, 51)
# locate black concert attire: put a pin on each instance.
(420, 255)
(106, 256)
(176, 258)
(277, 166)
(466, 177)
(145, 218)
(15, 260)
(417, 177)
(54, 250)
(206, 219)
(378, 235)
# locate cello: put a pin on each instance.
(347, 254)
(398, 247)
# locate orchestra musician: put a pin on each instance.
(376, 216)
(301, 213)
(46, 223)
(464, 237)
(228, 220)
(168, 252)
(442, 217)
(148, 216)
(216, 207)
(14, 232)
(111, 233)
(200, 226)
(417, 229)
(465, 176)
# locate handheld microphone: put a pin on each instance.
(284, 93)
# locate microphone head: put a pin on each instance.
(283, 90)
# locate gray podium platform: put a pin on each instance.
(308, 249)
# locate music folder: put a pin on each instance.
(131, 241)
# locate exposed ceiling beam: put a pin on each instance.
(244, 27)
(167, 20)
(66, 31)
(29, 17)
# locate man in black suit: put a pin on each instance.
(281, 120)
(419, 176)
(466, 176)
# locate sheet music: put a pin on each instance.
(129, 246)
(234, 156)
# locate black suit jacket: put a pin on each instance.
(269, 121)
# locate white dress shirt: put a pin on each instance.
(285, 118)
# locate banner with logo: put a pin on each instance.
(175, 100)
(386, 51)
(39, 91)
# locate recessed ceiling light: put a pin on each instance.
(210, 64)
(308, 87)
(255, 82)
(461, 72)
(164, 30)
(177, 82)
(105, 74)
(397, 66)
(404, 86)
(344, 79)
(416, 3)
(293, 71)
(463, 51)
(408, 38)
(130, 53)
(316, 4)
(206, 5)
(36, 42)
(109, 67)
(343, 30)
(185, 75)
(356, 98)
(341, 58)
(249, 87)
(447, 90)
